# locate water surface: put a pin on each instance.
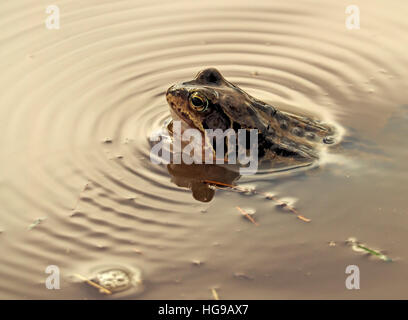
(78, 106)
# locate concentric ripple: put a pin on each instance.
(78, 106)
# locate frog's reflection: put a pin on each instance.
(194, 176)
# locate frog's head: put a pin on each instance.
(211, 102)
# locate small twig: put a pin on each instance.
(303, 218)
(225, 185)
(247, 216)
(273, 198)
(93, 284)
(215, 294)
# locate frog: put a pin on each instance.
(209, 101)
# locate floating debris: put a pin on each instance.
(36, 223)
(215, 294)
(120, 279)
(303, 218)
(113, 280)
(242, 275)
(247, 215)
(93, 284)
(360, 247)
(249, 190)
(218, 184)
(117, 280)
(197, 262)
(137, 251)
(332, 244)
(268, 196)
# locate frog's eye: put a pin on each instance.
(198, 102)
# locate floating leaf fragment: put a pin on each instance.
(360, 247)
(375, 253)
(36, 223)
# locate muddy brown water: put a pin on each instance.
(78, 105)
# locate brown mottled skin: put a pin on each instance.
(222, 105)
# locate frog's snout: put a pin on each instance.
(169, 91)
(176, 92)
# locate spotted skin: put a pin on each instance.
(219, 104)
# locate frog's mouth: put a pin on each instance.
(176, 98)
(179, 112)
(186, 123)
